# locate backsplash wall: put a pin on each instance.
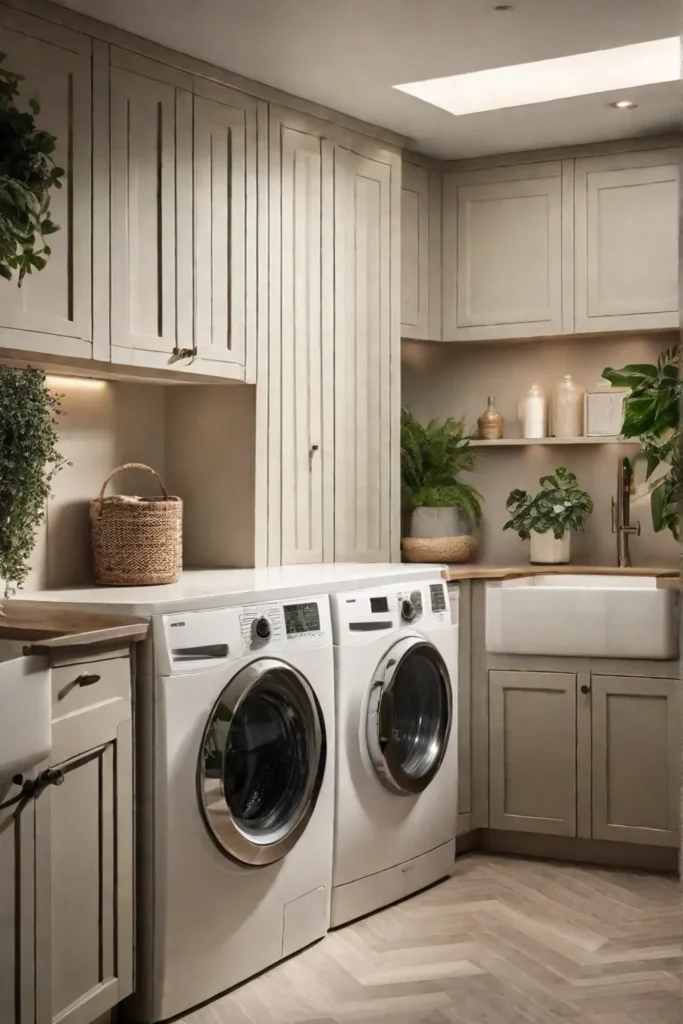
(455, 380)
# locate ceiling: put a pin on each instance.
(347, 54)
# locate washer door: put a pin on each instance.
(262, 762)
(410, 713)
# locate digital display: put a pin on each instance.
(438, 597)
(301, 618)
(379, 604)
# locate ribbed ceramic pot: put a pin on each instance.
(546, 549)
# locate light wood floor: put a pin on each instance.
(504, 941)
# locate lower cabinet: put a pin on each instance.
(636, 758)
(532, 771)
(17, 910)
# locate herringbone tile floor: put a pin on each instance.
(505, 941)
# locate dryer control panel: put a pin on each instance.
(365, 614)
(198, 640)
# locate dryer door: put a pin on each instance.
(262, 762)
(410, 714)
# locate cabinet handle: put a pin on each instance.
(82, 680)
(311, 452)
(585, 688)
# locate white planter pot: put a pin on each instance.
(439, 522)
(547, 550)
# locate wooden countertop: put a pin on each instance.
(473, 571)
(46, 626)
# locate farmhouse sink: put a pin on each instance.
(25, 710)
(582, 616)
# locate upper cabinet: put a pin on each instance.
(420, 253)
(52, 311)
(503, 255)
(627, 241)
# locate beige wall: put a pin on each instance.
(455, 380)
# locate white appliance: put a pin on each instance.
(236, 743)
(396, 798)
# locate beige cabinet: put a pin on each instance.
(636, 759)
(17, 909)
(532, 752)
(366, 353)
(301, 361)
(52, 311)
(627, 241)
(459, 597)
(420, 253)
(506, 265)
(84, 848)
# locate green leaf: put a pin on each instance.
(657, 506)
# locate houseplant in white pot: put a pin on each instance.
(549, 517)
(443, 509)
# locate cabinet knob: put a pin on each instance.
(585, 688)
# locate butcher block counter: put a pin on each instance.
(668, 577)
(45, 626)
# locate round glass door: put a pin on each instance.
(261, 762)
(410, 714)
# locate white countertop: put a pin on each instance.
(215, 588)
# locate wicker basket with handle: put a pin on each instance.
(136, 541)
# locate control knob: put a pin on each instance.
(407, 610)
(261, 629)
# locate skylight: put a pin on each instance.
(623, 67)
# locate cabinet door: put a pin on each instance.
(636, 759)
(459, 596)
(301, 360)
(420, 253)
(532, 770)
(52, 311)
(367, 357)
(225, 229)
(504, 261)
(151, 266)
(627, 241)
(17, 910)
(84, 871)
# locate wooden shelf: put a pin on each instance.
(511, 442)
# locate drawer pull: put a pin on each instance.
(585, 688)
(82, 680)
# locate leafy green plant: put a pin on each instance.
(652, 415)
(29, 460)
(560, 505)
(433, 456)
(27, 173)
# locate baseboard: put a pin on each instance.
(582, 851)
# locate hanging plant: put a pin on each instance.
(27, 173)
(29, 460)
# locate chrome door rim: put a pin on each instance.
(378, 719)
(222, 826)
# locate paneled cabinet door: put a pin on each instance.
(17, 910)
(627, 241)
(504, 264)
(367, 355)
(301, 356)
(52, 311)
(636, 759)
(151, 191)
(420, 253)
(532, 770)
(225, 230)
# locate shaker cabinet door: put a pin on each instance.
(17, 910)
(532, 770)
(151, 266)
(504, 262)
(636, 759)
(52, 311)
(627, 241)
(420, 253)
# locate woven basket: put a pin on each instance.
(440, 549)
(136, 541)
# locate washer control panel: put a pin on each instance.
(365, 614)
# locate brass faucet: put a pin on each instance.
(621, 513)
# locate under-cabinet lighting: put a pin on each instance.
(582, 74)
(84, 383)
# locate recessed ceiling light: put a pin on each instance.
(624, 105)
(583, 74)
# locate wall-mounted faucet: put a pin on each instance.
(621, 513)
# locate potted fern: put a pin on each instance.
(443, 509)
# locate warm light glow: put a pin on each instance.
(86, 383)
(625, 105)
(623, 67)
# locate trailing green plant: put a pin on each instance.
(27, 173)
(29, 460)
(433, 455)
(652, 415)
(560, 505)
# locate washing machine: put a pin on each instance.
(396, 789)
(236, 742)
